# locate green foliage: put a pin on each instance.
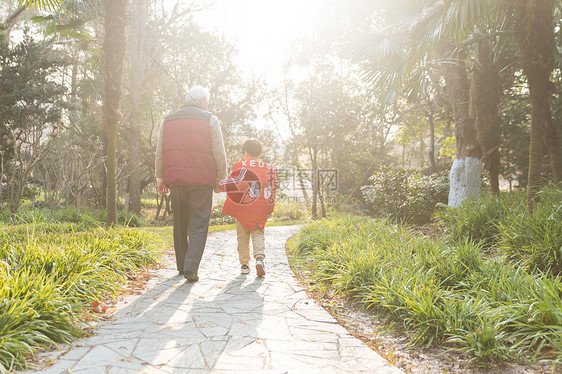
(218, 218)
(531, 239)
(42, 4)
(31, 106)
(30, 95)
(442, 293)
(85, 218)
(288, 211)
(534, 239)
(50, 273)
(405, 195)
(477, 218)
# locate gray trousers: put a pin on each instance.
(191, 207)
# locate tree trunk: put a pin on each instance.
(553, 147)
(465, 174)
(422, 149)
(535, 35)
(484, 109)
(465, 178)
(431, 153)
(114, 45)
(11, 20)
(315, 182)
(103, 189)
(322, 204)
(136, 97)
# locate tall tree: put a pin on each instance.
(466, 171)
(535, 35)
(137, 65)
(31, 110)
(417, 35)
(484, 109)
(421, 25)
(116, 13)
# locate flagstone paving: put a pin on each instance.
(225, 323)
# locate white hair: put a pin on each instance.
(198, 93)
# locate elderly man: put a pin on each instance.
(190, 158)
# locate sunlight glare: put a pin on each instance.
(262, 30)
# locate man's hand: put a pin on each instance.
(162, 188)
(217, 189)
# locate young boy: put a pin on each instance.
(250, 199)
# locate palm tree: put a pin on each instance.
(449, 27)
(8, 23)
(535, 35)
(484, 108)
(421, 34)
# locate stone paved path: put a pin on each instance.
(225, 323)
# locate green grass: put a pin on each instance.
(50, 274)
(441, 293)
(503, 224)
(87, 217)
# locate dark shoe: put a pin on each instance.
(245, 269)
(260, 267)
(190, 277)
(181, 272)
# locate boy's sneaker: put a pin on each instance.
(245, 269)
(260, 267)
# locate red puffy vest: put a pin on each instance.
(251, 192)
(187, 158)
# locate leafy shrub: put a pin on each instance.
(286, 210)
(67, 214)
(405, 195)
(534, 239)
(477, 218)
(218, 218)
(445, 293)
(129, 219)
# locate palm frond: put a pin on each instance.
(50, 5)
(462, 15)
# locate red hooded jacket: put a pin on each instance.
(250, 192)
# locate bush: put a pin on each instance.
(533, 240)
(50, 274)
(286, 211)
(405, 195)
(445, 293)
(129, 219)
(67, 214)
(218, 218)
(477, 218)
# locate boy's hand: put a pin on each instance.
(162, 188)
